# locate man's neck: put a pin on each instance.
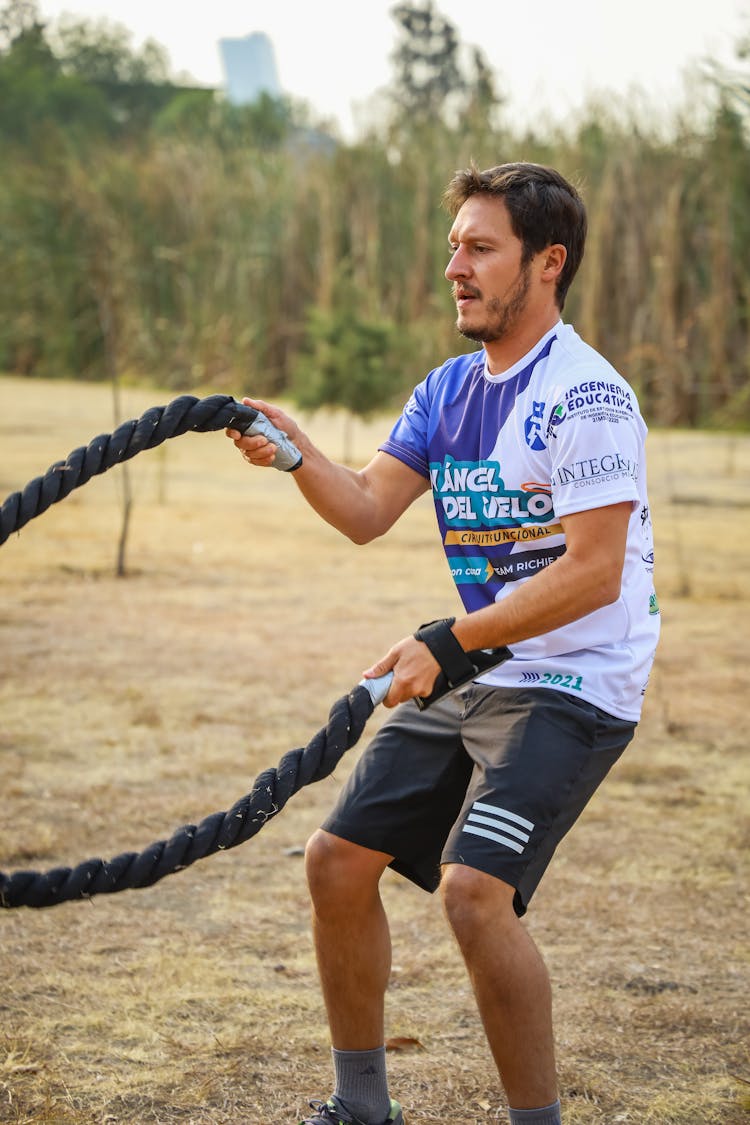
(503, 354)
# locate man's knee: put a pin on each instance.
(337, 867)
(473, 899)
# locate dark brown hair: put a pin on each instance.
(543, 207)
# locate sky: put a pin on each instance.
(549, 57)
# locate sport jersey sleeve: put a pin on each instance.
(407, 440)
(595, 453)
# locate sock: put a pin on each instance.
(547, 1115)
(361, 1084)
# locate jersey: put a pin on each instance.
(508, 455)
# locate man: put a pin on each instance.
(533, 447)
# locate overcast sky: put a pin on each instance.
(548, 56)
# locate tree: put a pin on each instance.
(352, 362)
(98, 51)
(437, 79)
(427, 70)
(75, 79)
(733, 82)
(17, 17)
(36, 97)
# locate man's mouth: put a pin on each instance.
(464, 295)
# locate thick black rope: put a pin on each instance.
(185, 413)
(272, 788)
(222, 830)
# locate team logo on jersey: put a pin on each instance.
(600, 400)
(595, 471)
(555, 419)
(499, 536)
(508, 568)
(464, 570)
(532, 428)
(474, 494)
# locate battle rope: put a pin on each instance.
(272, 788)
(222, 830)
(217, 412)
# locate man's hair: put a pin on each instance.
(543, 207)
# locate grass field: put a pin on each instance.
(131, 706)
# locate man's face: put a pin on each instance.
(490, 281)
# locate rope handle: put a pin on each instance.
(288, 457)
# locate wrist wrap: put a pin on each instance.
(441, 642)
(456, 666)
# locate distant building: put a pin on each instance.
(249, 68)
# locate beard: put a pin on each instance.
(502, 313)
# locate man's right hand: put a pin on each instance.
(256, 448)
(360, 503)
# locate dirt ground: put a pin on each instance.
(129, 707)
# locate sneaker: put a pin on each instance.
(333, 1112)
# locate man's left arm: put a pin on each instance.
(585, 578)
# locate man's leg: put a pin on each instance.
(510, 983)
(401, 798)
(353, 948)
(352, 939)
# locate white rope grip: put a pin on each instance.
(288, 457)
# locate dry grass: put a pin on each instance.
(130, 707)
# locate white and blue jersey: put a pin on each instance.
(508, 455)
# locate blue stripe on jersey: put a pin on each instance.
(478, 398)
(456, 415)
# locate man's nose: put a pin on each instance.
(458, 266)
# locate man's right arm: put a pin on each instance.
(361, 504)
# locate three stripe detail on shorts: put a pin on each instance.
(505, 827)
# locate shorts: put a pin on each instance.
(490, 777)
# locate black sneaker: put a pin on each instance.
(333, 1112)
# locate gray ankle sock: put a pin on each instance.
(361, 1084)
(547, 1115)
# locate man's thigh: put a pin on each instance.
(406, 789)
(538, 757)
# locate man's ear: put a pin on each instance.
(553, 260)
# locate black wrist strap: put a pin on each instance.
(446, 649)
(456, 666)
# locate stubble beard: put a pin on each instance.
(502, 314)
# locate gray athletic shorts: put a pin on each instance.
(489, 777)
